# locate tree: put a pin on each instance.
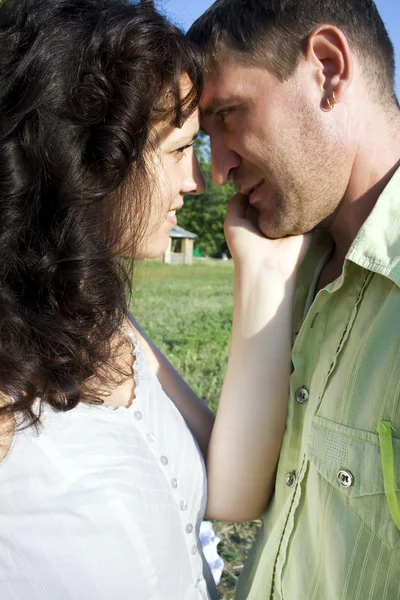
(205, 214)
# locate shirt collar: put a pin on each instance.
(377, 245)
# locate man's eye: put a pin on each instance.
(222, 114)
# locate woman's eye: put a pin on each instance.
(181, 151)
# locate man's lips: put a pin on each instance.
(249, 190)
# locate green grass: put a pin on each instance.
(187, 312)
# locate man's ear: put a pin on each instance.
(331, 57)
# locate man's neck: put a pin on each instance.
(376, 161)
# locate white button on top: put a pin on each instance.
(183, 505)
(138, 415)
(189, 528)
(302, 395)
(164, 461)
(345, 478)
(174, 483)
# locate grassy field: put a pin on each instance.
(187, 312)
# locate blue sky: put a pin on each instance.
(184, 12)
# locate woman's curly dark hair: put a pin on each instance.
(82, 84)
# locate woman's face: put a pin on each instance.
(175, 171)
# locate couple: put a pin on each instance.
(103, 446)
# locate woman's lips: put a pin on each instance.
(171, 218)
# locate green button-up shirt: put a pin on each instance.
(330, 530)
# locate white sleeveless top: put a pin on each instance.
(105, 504)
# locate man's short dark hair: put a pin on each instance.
(274, 33)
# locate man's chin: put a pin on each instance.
(278, 229)
(273, 232)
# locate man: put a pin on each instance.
(300, 106)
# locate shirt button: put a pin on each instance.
(183, 505)
(138, 415)
(164, 460)
(189, 528)
(290, 479)
(302, 395)
(345, 478)
(174, 483)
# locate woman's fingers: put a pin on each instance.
(241, 214)
(249, 246)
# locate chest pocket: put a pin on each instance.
(351, 461)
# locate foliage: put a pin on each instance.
(187, 312)
(205, 214)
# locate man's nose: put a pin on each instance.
(224, 161)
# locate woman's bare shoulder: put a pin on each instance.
(7, 427)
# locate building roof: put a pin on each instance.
(178, 232)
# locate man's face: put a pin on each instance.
(275, 142)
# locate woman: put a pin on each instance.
(102, 478)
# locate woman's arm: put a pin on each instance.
(245, 442)
(198, 417)
(247, 435)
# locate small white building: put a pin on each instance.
(180, 249)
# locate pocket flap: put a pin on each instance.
(333, 448)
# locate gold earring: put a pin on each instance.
(330, 106)
(331, 102)
(334, 99)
